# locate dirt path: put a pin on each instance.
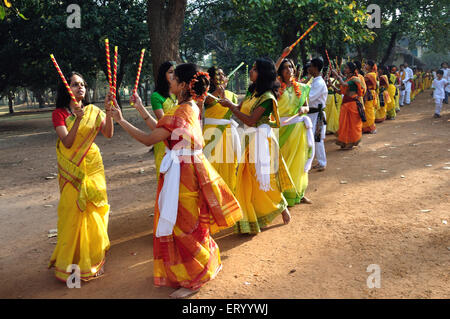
(324, 252)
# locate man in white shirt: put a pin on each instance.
(317, 102)
(406, 77)
(444, 68)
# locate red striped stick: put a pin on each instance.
(138, 73)
(303, 35)
(108, 64)
(63, 79)
(115, 72)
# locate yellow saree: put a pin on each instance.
(260, 207)
(294, 142)
(167, 105)
(332, 111)
(83, 208)
(370, 102)
(219, 140)
(190, 257)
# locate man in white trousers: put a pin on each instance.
(317, 101)
(406, 76)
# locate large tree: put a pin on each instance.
(165, 21)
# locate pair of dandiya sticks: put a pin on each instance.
(112, 79)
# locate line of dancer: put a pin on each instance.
(213, 173)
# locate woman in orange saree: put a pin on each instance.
(370, 98)
(83, 208)
(192, 200)
(352, 111)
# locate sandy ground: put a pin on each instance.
(375, 218)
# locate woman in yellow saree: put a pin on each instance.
(384, 97)
(370, 98)
(390, 108)
(83, 208)
(222, 143)
(162, 101)
(351, 116)
(192, 201)
(262, 173)
(332, 108)
(380, 114)
(296, 149)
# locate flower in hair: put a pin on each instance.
(192, 83)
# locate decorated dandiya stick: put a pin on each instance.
(212, 96)
(108, 64)
(234, 71)
(63, 79)
(302, 36)
(115, 72)
(138, 73)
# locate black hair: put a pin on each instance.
(359, 67)
(212, 71)
(267, 76)
(371, 63)
(384, 70)
(62, 96)
(318, 63)
(185, 73)
(351, 66)
(305, 69)
(440, 72)
(280, 69)
(162, 86)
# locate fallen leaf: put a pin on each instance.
(292, 271)
(48, 205)
(50, 177)
(52, 235)
(343, 182)
(402, 176)
(425, 210)
(428, 165)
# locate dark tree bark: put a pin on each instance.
(390, 48)
(10, 102)
(165, 20)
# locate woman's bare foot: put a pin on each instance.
(182, 293)
(305, 200)
(286, 216)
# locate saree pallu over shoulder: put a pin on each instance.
(83, 207)
(189, 257)
(75, 167)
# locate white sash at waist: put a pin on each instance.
(309, 133)
(234, 133)
(168, 198)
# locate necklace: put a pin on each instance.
(295, 85)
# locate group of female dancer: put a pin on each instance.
(198, 193)
(378, 94)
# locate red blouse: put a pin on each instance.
(59, 117)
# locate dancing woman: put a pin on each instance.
(222, 143)
(370, 98)
(83, 208)
(297, 150)
(162, 101)
(192, 200)
(351, 116)
(262, 174)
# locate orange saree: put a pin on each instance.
(190, 257)
(350, 123)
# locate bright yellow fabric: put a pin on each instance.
(390, 108)
(294, 143)
(83, 208)
(332, 113)
(159, 149)
(259, 208)
(218, 138)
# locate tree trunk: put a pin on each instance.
(390, 48)
(165, 20)
(10, 102)
(40, 99)
(94, 87)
